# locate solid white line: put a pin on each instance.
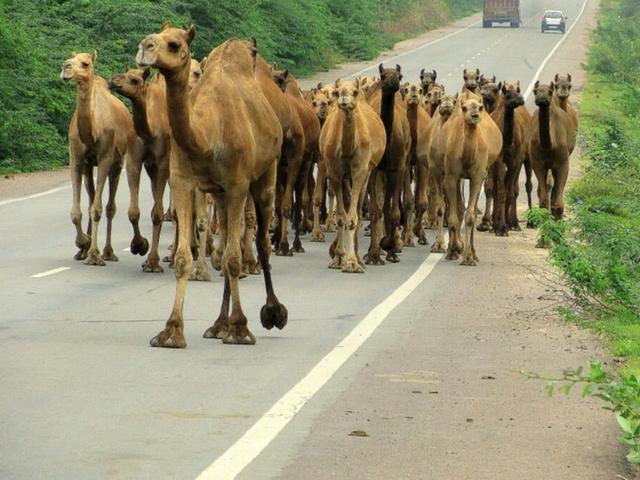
(128, 249)
(546, 60)
(249, 446)
(417, 48)
(35, 195)
(50, 272)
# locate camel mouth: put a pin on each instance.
(66, 76)
(543, 102)
(114, 86)
(475, 118)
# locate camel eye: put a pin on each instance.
(174, 46)
(85, 64)
(314, 103)
(464, 109)
(355, 93)
(134, 81)
(481, 108)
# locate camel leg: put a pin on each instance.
(468, 253)
(438, 246)
(299, 206)
(452, 189)
(200, 271)
(104, 167)
(83, 241)
(168, 215)
(249, 263)
(318, 194)
(528, 186)
(485, 223)
(560, 174)
(351, 263)
(392, 214)
(339, 252)
(408, 237)
(114, 179)
(173, 333)
(543, 188)
(376, 189)
(513, 174)
(139, 245)
(330, 224)
(307, 195)
(500, 227)
(421, 201)
(158, 183)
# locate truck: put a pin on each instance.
(501, 11)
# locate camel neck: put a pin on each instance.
(140, 118)
(387, 106)
(543, 124)
(84, 109)
(188, 137)
(412, 116)
(508, 126)
(562, 102)
(348, 145)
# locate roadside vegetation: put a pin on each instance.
(303, 35)
(598, 247)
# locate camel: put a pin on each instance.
(471, 80)
(226, 139)
(562, 84)
(472, 143)
(101, 133)
(549, 140)
(427, 79)
(433, 97)
(385, 98)
(152, 127)
(430, 150)
(505, 103)
(352, 144)
(419, 120)
(293, 172)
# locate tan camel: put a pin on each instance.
(433, 98)
(419, 120)
(226, 142)
(385, 98)
(471, 80)
(293, 172)
(352, 143)
(548, 144)
(473, 142)
(430, 150)
(100, 134)
(562, 85)
(152, 127)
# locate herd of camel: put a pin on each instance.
(236, 136)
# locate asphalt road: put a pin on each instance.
(82, 395)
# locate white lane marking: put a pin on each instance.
(50, 272)
(256, 439)
(128, 249)
(553, 50)
(35, 195)
(437, 40)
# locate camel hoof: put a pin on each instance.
(516, 227)
(169, 339)
(409, 241)
(330, 228)
(217, 330)
(423, 241)
(317, 236)
(452, 255)
(373, 259)
(251, 267)
(502, 232)
(139, 246)
(468, 261)
(284, 253)
(109, 256)
(81, 255)
(336, 263)
(83, 242)
(484, 226)
(352, 267)
(94, 258)
(297, 249)
(438, 248)
(392, 257)
(242, 337)
(273, 315)
(200, 273)
(152, 267)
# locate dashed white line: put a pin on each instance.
(249, 446)
(128, 249)
(50, 272)
(35, 195)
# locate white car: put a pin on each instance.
(553, 20)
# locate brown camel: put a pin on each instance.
(385, 98)
(505, 104)
(293, 172)
(471, 80)
(472, 144)
(419, 120)
(225, 142)
(548, 144)
(352, 143)
(101, 133)
(562, 85)
(427, 80)
(152, 127)
(430, 150)
(433, 98)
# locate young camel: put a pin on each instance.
(352, 143)
(472, 144)
(226, 139)
(548, 145)
(100, 135)
(152, 127)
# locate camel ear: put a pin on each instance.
(320, 85)
(145, 74)
(477, 71)
(191, 33)
(203, 62)
(94, 56)
(285, 74)
(555, 79)
(501, 87)
(254, 42)
(380, 69)
(464, 73)
(165, 25)
(338, 82)
(421, 73)
(518, 83)
(493, 80)
(569, 76)
(552, 86)
(435, 75)
(398, 69)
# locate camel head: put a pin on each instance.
(390, 78)
(472, 108)
(281, 77)
(427, 79)
(321, 103)
(131, 83)
(366, 83)
(79, 67)
(484, 80)
(543, 93)
(490, 92)
(346, 94)
(169, 50)
(195, 73)
(563, 86)
(412, 93)
(471, 79)
(447, 104)
(512, 95)
(435, 94)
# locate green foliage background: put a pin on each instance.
(36, 36)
